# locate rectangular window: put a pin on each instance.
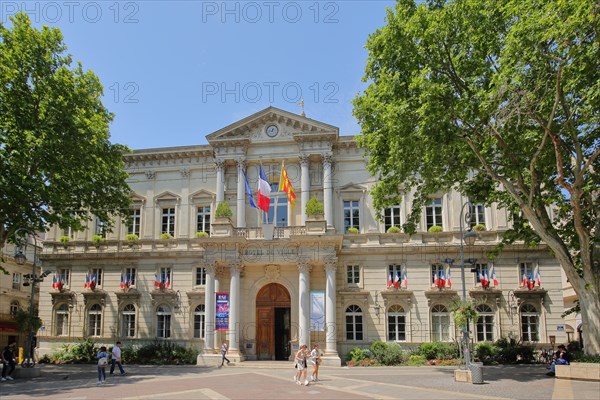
(128, 323)
(351, 215)
(101, 228)
(165, 276)
(129, 276)
(278, 207)
(97, 274)
(526, 271)
(477, 214)
(203, 219)
(437, 270)
(480, 272)
(69, 233)
(168, 221)
(485, 328)
(392, 217)
(433, 213)
(63, 276)
(200, 276)
(16, 282)
(134, 223)
(353, 274)
(163, 329)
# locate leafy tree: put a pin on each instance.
(500, 101)
(26, 321)
(57, 162)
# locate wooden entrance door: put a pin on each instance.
(272, 328)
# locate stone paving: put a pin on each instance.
(274, 380)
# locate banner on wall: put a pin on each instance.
(317, 310)
(222, 312)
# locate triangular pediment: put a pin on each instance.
(273, 124)
(352, 187)
(167, 196)
(203, 194)
(136, 198)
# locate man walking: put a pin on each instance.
(116, 359)
(224, 349)
(8, 361)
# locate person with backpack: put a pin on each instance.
(102, 364)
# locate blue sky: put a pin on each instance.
(176, 71)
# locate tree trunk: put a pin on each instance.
(590, 315)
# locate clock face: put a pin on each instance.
(272, 130)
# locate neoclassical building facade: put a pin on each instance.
(306, 280)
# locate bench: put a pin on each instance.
(579, 371)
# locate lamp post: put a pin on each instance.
(31, 279)
(469, 238)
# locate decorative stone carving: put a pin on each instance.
(185, 172)
(150, 174)
(304, 159)
(272, 272)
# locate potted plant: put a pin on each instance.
(352, 230)
(435, 229)
(394, 229)
(201, 234)
(131, 239)
(223, 210)
(479, 227)
(463, 311)
(98, 240)
(314, 208)
(166, 236)
(64, 240)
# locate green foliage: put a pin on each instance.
(486, 352)
(57, 159)
(387, 353)
(65, 239)
(26, 322)
(223, 210)
(132, 237)
(98, 240)
(479, 227)
(463, 311)
(84, 351)
(438, 351)
(435, 229)
(500, 101)
(416, 359)
(201, 234)
(511, 351)
(357, 354)
(314, 207)
(166, 236)
(394, 229)
(352, 230)
(580, 356)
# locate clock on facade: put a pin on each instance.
(272, 130)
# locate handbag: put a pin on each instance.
(102, 361)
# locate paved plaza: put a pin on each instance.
(274, 380)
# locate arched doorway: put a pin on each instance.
(273, 323)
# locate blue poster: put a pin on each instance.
(222, 314)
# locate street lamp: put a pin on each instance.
(31, 279)
(469, 238)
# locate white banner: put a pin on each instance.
(317, 311)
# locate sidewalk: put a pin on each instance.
(274, 380)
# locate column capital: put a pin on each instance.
(303, 265)
(236, 266)
(209, 266)
(219, 163)
(331, 264)
(327, 158)
(241, 163)
(304, 159)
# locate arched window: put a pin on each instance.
(199, 318)
(485, 323)
(95, 320)
(62, 320)
(354, 324)
(163, 322)
(396, 324)
(529, 323)
(440, 323)
(14, 307)
(128, 321)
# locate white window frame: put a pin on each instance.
(351, 220)
(199, 321)
(14, 307)
(167, 220)
(16, 281)
(530, 319)
(64, 274)
(130, 273)
(200, 272)
(477, 212)
(62, 320)
(392, 217)
(434, 212)
(135, 222)
(203, 218)
(98, 272)
(163, 321)
(440, 323)
(128, 318)
(396, 321)
(354, 321)
(484, 326)
(353, 275)
(95, 320)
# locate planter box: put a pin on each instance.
(315, 226)
(579, 371)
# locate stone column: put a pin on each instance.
(209, 302)
(304, 302)
(220, 189)
(304, 184)
(330, 300)
(328, 188)
(241, 194)
(234, 307)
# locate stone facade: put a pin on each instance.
(273, 284)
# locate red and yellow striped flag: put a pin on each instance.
(286, 186)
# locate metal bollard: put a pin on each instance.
(476, 372)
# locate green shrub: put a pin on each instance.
(78, 353)
(580, 356)
(98, 240)
(163, 352)
(314, 207)
(416, 359)
(438, 351)
(223, 210)
(166, 236)
(479, 227)
(353, 230)
(394, 229)
(357, 354)
(132, 237)
(511, 351)
(387, 353)
(435, 229)
(485, 351)
(201, 234)
(64, 239)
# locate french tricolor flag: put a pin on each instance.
(264, 191)
(436, 281)
(397, 280)
(449, 279)
(390, 282)
(404, 280)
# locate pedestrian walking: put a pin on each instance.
(224, 350)
(301, 365)
(8, 361)
(116, 359)
(102, 363)
(315, 358)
